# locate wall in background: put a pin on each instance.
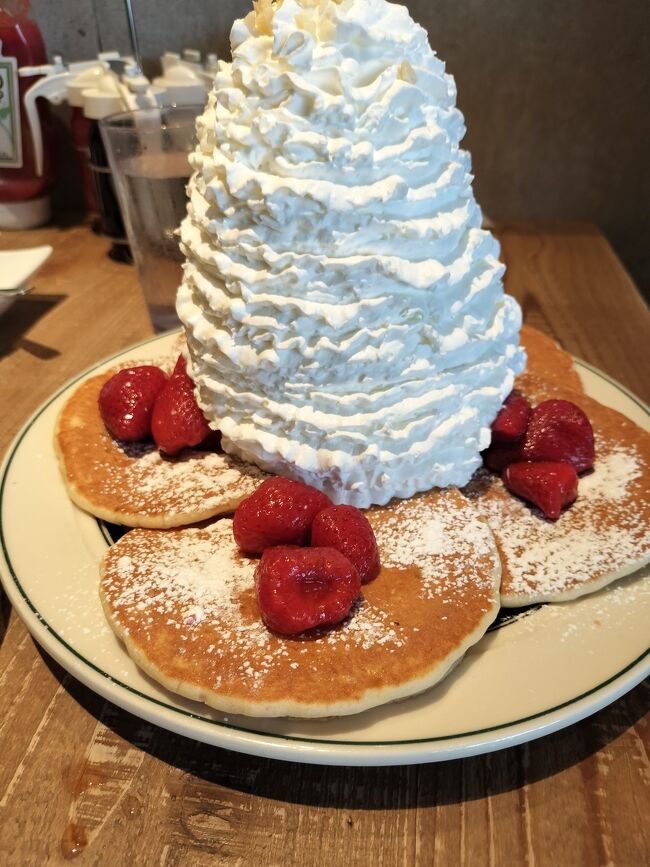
(556, 94)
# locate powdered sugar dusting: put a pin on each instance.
(195, 480)
(199, 576)
(122, 481)
(604, 533)
(612, 476)
(366, 627)
(449, 544)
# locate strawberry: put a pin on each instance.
(497, 456)
(177, 422)
(300, 588)
(558, 430)
(180, 366)
(512, 418)
(279, 512)
(348, 530)
(127, 399)
(548, 484)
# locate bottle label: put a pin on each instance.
(11, 147)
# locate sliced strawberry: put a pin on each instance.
(512, 418)
(127, 399)
(177, 422)
(180, 366)
(498, 456)
(300, 588)
(279, 512)
(558, 430)
(348, 530)
(549, 485)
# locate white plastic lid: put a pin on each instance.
(103, 99)
(192, 55)
(182, 84)
(84, 80)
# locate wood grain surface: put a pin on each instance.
(82, 780)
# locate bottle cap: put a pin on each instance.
(83, 80)
(192, 55)
(103, 98)
(182, 83)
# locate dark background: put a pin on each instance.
(556, 94)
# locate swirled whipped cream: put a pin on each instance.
(345, 313)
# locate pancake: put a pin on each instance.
(131, 483)
(603, 536)
(547, 360)
(183, 603)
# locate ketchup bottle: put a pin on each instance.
(24, 195)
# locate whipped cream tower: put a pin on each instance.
(345, 313)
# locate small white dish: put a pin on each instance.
(16, 268)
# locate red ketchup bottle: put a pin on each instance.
(24, 194)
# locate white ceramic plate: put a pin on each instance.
(543, 670)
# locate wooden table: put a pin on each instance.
(80, 778)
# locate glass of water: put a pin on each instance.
(147, 152)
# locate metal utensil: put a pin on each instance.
(15, 293)
(133, 33)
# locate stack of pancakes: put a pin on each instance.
(183, 602)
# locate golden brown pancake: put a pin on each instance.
(603, 536)
(547, 360)
(183, 602)
(131, 483)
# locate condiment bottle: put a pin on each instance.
(24, 192)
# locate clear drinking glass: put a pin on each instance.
(147, 152)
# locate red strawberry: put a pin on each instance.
(127, 399)
(180, 366)
(348, 530)
(279, 512)
(177, 421)
(498, 456)
(512, 418)
(549, 485)
(300, 588)
(558, 430)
